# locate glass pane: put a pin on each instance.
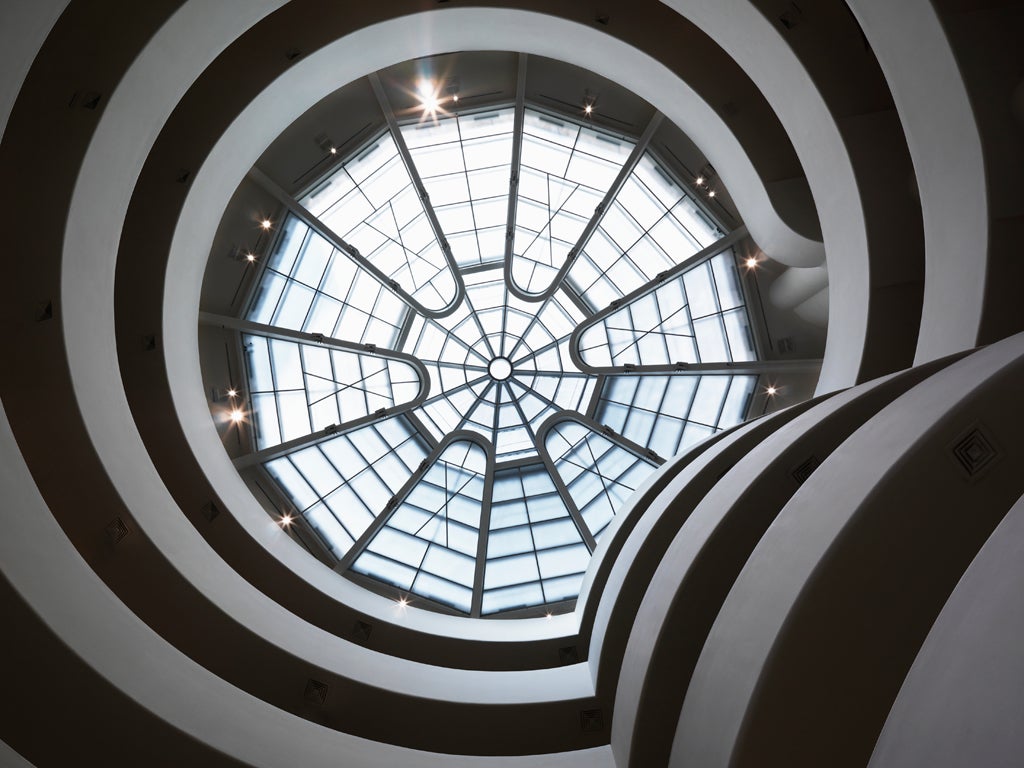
(333, 295)
(564, 172)
(598, 473)
(490, 324)
(349, 477)
(435, 529)
(465, 162)
(303, 388)
(656, 411)
(371, 203)
(532, 539)
(651, 226)
(678, 322)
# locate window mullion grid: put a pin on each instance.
(314, 438)
(448, 495)
(518, 119)
(661, 407)
(460, 366)
(421, 429)
(623, 442)
(657, 412)
(533, 539)
(662, 319)
(469, 411)
(640, 335)
(690, 319)
(549, 375)
(522, 414)
(720, 313)
(273, 383)
(479, 326)
(303, 371)
(686, 196)
(534, 352)
(578, 302)
(484, 536)
(316, 288)
(265, 267)
(400, 242)
(636, 449)
(687, 412)
(364, 389)
(563, 491)
(382, 519)
(428, 209)
(453, 391)
(526, 331)
(322, 498)
(652, 285)
(504, 321)
(624, 253)
(406, 328)
(595, 398)
(294, 207)
(469, 191)
(721, 405)
(595, 468)
(620, 179)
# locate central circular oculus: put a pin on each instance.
(499, 368)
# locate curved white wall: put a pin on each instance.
(937, 117)
(71, 599)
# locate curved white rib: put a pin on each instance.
(942, 133)
(757, 46)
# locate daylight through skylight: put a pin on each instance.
(457, 403)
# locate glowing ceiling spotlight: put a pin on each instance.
(589, 102)
(428, 95)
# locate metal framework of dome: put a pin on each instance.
(474, 337)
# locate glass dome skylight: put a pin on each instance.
(458, 379)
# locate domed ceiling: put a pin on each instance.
(470, 335)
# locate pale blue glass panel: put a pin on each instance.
(465, 164)
(709, 399)
(737, 328)
(518, 596)
(651, 226)
(727, 281)
(310, 286)
(737, 404)
(564, 171)
(372, 204)
(712, 344)
(533, 539)
(694, 433)
(435, 529)
(657, 411)
(680, 321)
(313, 386)
(599, 474)
(351, 477)
(564, 587)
